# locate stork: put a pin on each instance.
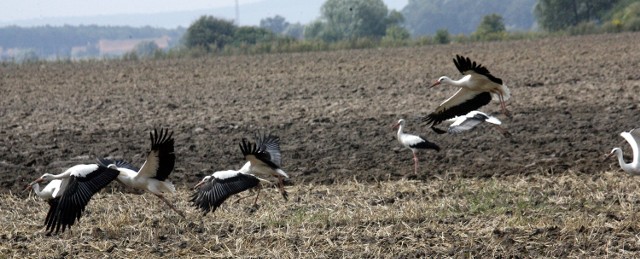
(413, 142)
(473, 119)
(152, 176)
(476, 87)
(214, 189)
(69, 193)
(633, 137)
(265, 159)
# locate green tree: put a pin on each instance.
(209, 33)
(252, 35)
(276, 24)
(462, 16)
(351, 19)
(555, 15)
(146, 49)
(490, 28)
(628, 18)
(294, 30)
(442, 36)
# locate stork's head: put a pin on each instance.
(204, 180)
(439, 81)
(44, 178)
(398, 124)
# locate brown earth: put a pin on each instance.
(571, 98)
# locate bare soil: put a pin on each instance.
(571, 98)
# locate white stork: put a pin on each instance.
(152, 177)
(68, 198)
(473, 119)
(214, 189)
(413, 142)
(476, 87)
(265, 159)
(633, 137)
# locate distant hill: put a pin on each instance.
(80, 41)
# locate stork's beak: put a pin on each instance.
(198, 185)
(608, 156)
(28, 187)
(434, 84)
(395, 125)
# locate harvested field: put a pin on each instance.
(543, 192)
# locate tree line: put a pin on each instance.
(353, 23)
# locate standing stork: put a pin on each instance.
(265, 159)
(214, 189)
(473, 119)
(69, 193)
(413, 142)
(633, 137)
(152, 176)
(476, 87)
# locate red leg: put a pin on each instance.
(415, 163)
(504, 106)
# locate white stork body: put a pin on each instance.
(153, 175)
(265, 159)
(214, 189)
(69, 197)
(633, 137)
(473, 119)
(476, 87)
(413, 142)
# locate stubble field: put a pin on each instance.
(543, 192)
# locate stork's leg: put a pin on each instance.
(415, 163)
(250, 195)
(504, 131)
(171, 206)
(284, 193)
(255, 202)
(504, 106)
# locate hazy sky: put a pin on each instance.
(17, 10)
(34, 9)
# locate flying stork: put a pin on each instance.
(69, 193)
(214, 189)
(633, 137)
(265, 159)
(473, 119)
(476, 87)
(413, 142)
(152, 176)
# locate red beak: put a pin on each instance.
(198, 185)
(434, 84)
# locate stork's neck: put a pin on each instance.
(630, 168)
(36, 188)
(400, 130)
(460, 82)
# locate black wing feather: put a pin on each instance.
(64, 212)
(461, 109)
(163, 143)
(270, 144)
(249, 148)
(465, 64)
(213, 193)
(425, 144)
